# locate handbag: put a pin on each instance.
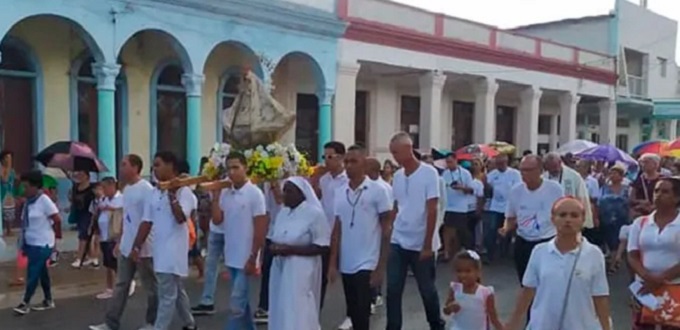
(668, 295)
(115, 224)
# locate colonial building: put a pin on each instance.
(644, 44)
(147, 75)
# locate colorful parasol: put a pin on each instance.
(672, 149)
(474, 151)
(653, 147)
(606, 153)
(503, 147)
(575, 146)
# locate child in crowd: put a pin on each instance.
(472, 304)
(109, 214)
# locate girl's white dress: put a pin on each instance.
(295, 281)
(473, 314)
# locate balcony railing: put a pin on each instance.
(637, 87)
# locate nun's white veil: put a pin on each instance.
(307, 190)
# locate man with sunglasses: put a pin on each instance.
(333, 179)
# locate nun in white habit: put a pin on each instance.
(299, 236)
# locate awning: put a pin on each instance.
(666, 109)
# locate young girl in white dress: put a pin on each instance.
(470, 303)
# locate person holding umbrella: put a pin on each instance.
(40, 226)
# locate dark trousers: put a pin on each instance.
(357, 289)
(264, 283)
(523, 250)
(424, 271)
(37, 272)
(325, 260)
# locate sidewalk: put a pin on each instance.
(67, 282)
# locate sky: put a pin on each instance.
(513, 13)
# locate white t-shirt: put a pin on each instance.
(457, 200)
(660, 250)
(328, 185)
(115, 202)
(593, 187)
(240, 207)
(477, 193)
(411, 194)
(170, 238)
(135, 197)
(624, 232)
(548, 272)
(533, 209)
(39, 231)
(502, 182)
(358, 212)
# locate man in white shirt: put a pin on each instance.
(529, 210)
(360, 241)
(166, 213)
(374, 173)
(242, 210)
(273, 195)
(333, 178)
(135, 195)
(500, 181)
(416, 192)
(457, 232)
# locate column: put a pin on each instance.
(568, 102)
(530, 99)
(106, 74)
(554, 135)
(345, 102)
(607, 121)
(193, 84)
(655, 129)
(384, 116)
(484, 130)
(673, 129)
(431, 86)
(325, 119)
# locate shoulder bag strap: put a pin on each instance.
(566, 295)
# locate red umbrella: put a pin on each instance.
(476, 151)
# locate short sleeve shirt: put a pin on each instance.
(660, 249)
(240, 207)
(532, 209)
(39, 231)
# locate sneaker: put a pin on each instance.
(76, 263)
(107, 294)
(346, 324)
(373, 307)
(102, 326)
(261, 316)
(43, 306)
(22, 309)
(378, 301)
(147, 327)
(203, 310)
(133, 286)
(193, 327)
(52, 263)
(95, 264)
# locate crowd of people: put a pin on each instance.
(368, 225)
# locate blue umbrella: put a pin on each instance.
(606, 153)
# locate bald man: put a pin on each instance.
(416, 194)
(529, 209)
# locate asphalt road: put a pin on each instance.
(78, 313)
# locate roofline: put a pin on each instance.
(563, 21)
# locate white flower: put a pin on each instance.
(248, 153)
(260, 149)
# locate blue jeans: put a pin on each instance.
(240, 314)
(492, 222)
(212, 265)
(37, 271)
(424, 271)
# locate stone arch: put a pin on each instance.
(166, 86)
(179, 49)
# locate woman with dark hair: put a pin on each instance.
(299, 237)
(40, 226)
(7, 179)
(654, 254)
(82, 196)
(389, 167)
(613, 210)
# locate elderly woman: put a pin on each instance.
(613, 208)
(642, 189)
(654, 247)
(298, 239)
(566, 282)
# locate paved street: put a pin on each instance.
(78, 313)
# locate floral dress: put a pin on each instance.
(7, 197)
